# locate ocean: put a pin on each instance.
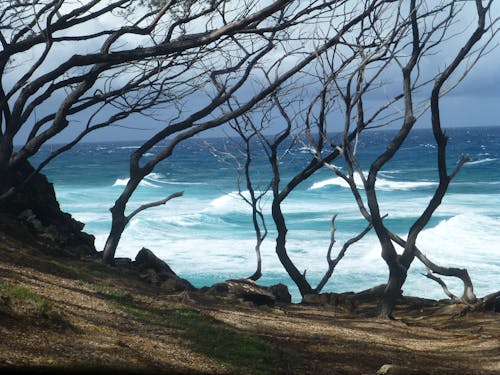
(206, 236)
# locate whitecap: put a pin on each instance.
(336, 181)
(466, 240)
(124, 182)
(481, 161)
(381, 184)
(427, 145)
(121, 181)
(226, 201)
(390, 185)
(155, 176)
(160, 178)
(128, 147)
(307, 150)
(231, 202)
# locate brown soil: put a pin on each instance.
(78, 328)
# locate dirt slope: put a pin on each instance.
(61, 313)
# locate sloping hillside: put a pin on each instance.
(60, 313)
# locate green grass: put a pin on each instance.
(119, 297)
(62, 268)
(42, 305)
(38, 307)
(226, 344)
(207, 335)
(19, 292)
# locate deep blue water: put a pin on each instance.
(206, 236)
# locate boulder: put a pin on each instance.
(491, 302)
(156, 271)
(281, 293)
(244, 289)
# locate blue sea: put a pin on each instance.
(206, 236)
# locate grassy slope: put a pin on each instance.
(60, 313)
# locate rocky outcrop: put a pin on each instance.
(248, 290)
(348, 299)
(155, 271)
(281, 293)
(35, 205)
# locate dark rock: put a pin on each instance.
(123, 262)
(35, 203)
(29, 217)
(244, 289)
(492, 302)
(151, 277)
(219, 288)
(348, 301)
(370, 294)
(316, 299)
(156, 271)
(281, 293)
(146, 259)
(176, 284)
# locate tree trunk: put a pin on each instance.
(297, 277)
(392, 292)
(118, 224)
(258, 272)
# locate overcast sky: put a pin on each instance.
(475, 102)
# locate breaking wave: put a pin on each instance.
(381, 184)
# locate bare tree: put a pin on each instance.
(429, 28)
(258, 36)
(240, 154)
(357, 50)
(138, 62)
(144, 58)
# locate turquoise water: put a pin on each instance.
(206, 236)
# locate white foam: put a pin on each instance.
(467, 236)
(336, 181)
(231, 202)
(481, 161)
(128, 147)
(381, 184)
(307, 150)
(466, 240)
(390, 185)
(121, 182)
(154, 177)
